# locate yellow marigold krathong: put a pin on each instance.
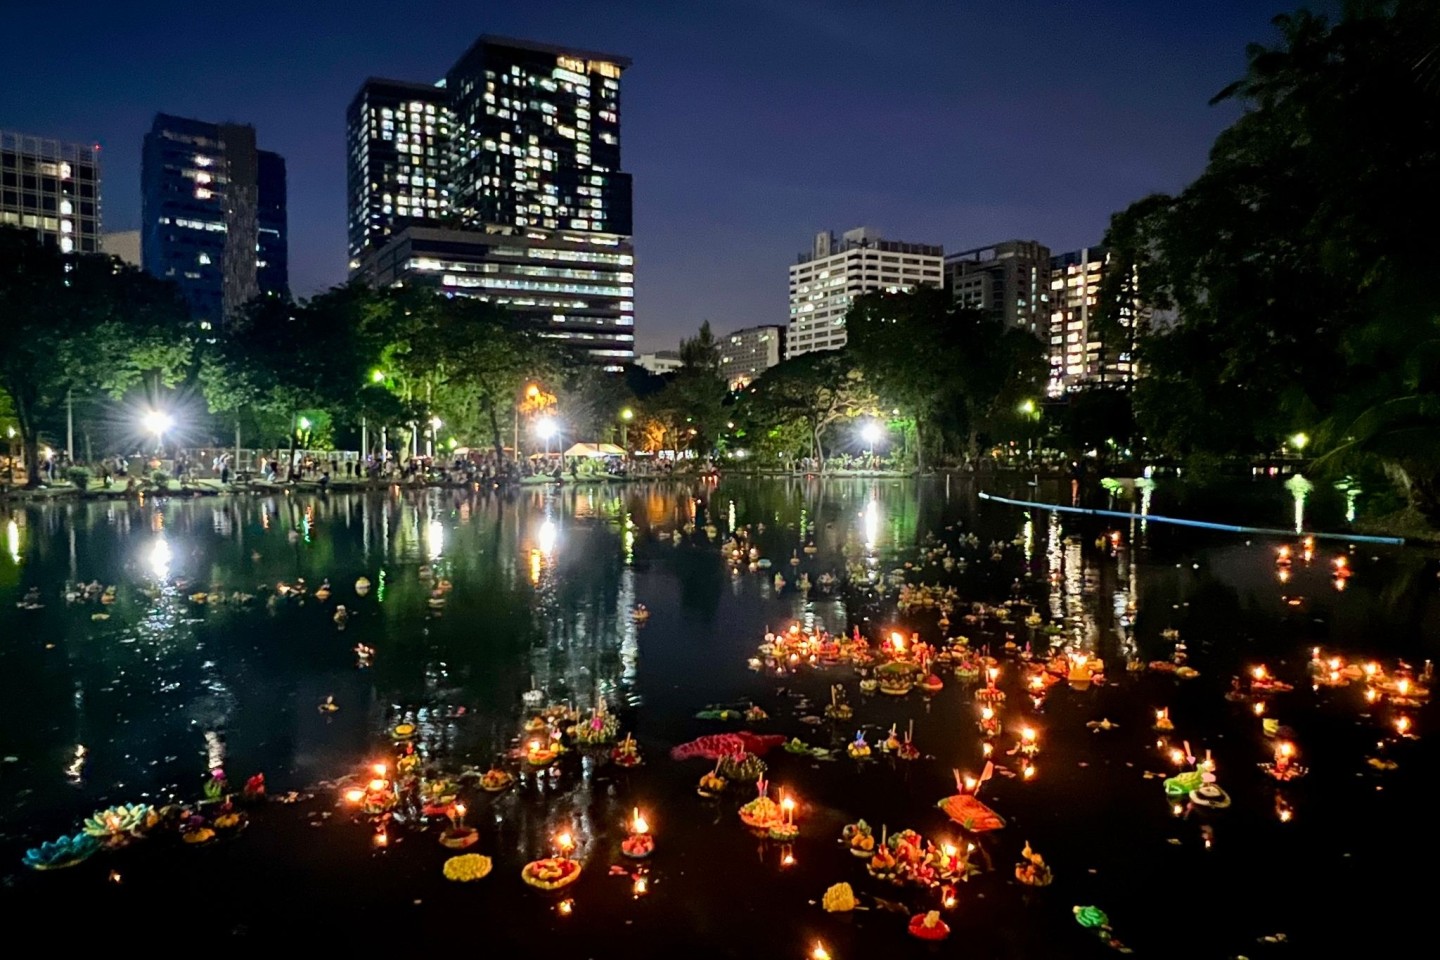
(467, 867)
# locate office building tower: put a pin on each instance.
(1079, 353)
(747, 353)
(523, 155)
(824, 282)
(397, 169)
(570, 286)
(124, 245)
(52, 188)
(1009, 282)
(660, 362)
(537, 137)
(213, 215)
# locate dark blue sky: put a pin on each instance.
(748, 124)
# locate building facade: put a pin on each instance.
(1009, 282)
(524, 146)
(1079, 355)
(52, 188)
(213, 215)
(824, 282)
(123, 245)
(660, 362)
(397, 166)
(569, 286)
(747, 353)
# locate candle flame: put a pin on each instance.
(641, 885)
(459, 809)
(1029, 771)
(1287, 750)
(993, 673)
(819, 953)
(1402, 686)
(380, 769)
(971, 783)
(987, 748)
(1027, 734)
(1371, 669)
(1259, 707)
(987, 714)
(638, 824)
(1259, 672)
(1402, 724)
(1177, 757)
(355, 796)
(949, 901)
(949, 850)
(377, 785)
(565, 841)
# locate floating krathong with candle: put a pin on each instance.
(895, 679)
(1032, 870)
(883, 865)
(639, 842)
(61, 853)
(457, 836)
(711, 785)
(859, 839)
(1263, 683)
(907, 749)
(929, 926)
(1163, 723)
(495, 780)
(990, 693)
(1284, 767)
(117, 825)
(627, 753)
(541, 753)
(741, 766)
(965, 808)
(837, 708)
(762, 812)
(858, 749)
(989, 722)
(839, 898)
(552, 873)
(600, 727)
(786, 829)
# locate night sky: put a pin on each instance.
(748, 124)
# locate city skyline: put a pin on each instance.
(929, 122)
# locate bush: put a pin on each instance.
(161, 479)
(80, 476)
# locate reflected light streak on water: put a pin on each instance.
(12, 540)
(435, 539)
(158, 560)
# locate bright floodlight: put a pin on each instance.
(871, 432)
(1027, 407)
(377, 376)
(1299, 441)
(436, 423)
(545, 428)
(304, 423)
(157, 421)
(627, 414)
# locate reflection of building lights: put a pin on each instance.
(535, 564)
(160, 559)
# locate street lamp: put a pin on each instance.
(546, 428)
(626, 416)
(1300, 441)
(1027, 407)
(871, 433)
(377, 376)
(157, 422)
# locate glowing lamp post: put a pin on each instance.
(545, 428)
(626, 416)
(157, 422)
(871, 433)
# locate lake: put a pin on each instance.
(197, 661)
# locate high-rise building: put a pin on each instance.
(747, 353)
(213, 215)
(1008, 281)
(397, 167)
(1079, 355)
(123, 245)
(571, 286)
(537, 137)
(52, 188)
(518, 146)
(660, 362)
(824, 282)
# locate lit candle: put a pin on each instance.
(1029, 771)
(638, 824)
(1402, 726)
(377, 785)
(819, 953)
(788, 805)
(640, 886)
(566, 843)
(355, 796)
(1259, 673)
(380, 769)
(1259, 707)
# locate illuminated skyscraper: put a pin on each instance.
(398, 161)
(52, 188)
(1009, 282)
(513, 192)
(1079, 353)
(213, 215)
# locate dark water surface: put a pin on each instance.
(139, 706)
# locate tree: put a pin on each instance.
(809, 393)
(79, 325)
(1299, 263)
(939, 362)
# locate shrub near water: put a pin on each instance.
(80, 476)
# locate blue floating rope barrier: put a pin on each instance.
(1202, 524)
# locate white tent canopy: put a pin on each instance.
(595, 450)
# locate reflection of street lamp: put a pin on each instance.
(157, 422)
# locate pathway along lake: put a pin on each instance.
(135, 700)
